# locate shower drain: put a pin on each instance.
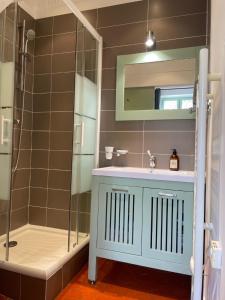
(11, 244)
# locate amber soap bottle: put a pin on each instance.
(174, 161)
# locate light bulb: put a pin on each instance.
(150, 42)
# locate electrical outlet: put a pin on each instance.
(215, 254)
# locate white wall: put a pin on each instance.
(216, 199)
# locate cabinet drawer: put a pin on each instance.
(167, 225)
(120, 218)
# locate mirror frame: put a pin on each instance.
(146, 57)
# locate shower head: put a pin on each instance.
(30, 35)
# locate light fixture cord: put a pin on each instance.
(147, 16)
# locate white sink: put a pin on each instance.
(142, 173)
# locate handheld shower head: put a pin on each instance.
(30, 35)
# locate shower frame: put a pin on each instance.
(87, 25)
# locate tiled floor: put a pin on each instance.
(122, 281)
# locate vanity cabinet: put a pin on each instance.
(120, 224)
(143, 222)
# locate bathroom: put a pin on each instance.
(69, 140)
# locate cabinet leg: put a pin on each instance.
(92, 269)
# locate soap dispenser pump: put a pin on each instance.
(174, 161)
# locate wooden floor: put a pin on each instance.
(127, 282)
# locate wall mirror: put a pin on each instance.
(157, 85)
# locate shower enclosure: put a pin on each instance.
(50, 77)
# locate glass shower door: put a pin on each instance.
(7, 64)
(85, 133)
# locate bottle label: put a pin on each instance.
(173, 164)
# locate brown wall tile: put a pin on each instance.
(64, 43)
(64, 23)
(38, 197)
(108, 123)
(63, 62)
(32, 288)
(108, 101)
(109, 79)
(62, 101)
(163, 142)
(42, 83)
(39, 178)
(44, 27)
(40, 159)
(57, 218)
(110, 54)
(133, 33)
(131, 141)
(42, 64)
(62, 121)
(41, 102)
(63, 82)
(61, 160)
(61, 140)
(59, 180)
(122, 14)
(179, 27)
(40, 140)
(54, 285)
(43, 45)
(9, 279)
(21, 178)
(169, 8)
(59, 199)
(41, 121)
(19, 218)
(37, 216)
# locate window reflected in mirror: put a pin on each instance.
(164, 85)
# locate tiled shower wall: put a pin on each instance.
(41, 184)
(176, 24)
(54, 80)
(21, 177)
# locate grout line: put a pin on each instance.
(55, 34)
(43, 169)
(158, 41)
(42, 149)
(53, 189)
(152, 19)
(57, 73)
(53, 111)
(148, 131)
(49, 133)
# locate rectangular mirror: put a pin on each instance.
(157, 85)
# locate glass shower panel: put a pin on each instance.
(7, 64)
(84, 144)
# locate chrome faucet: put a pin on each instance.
(152, 160)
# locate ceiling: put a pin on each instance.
(46, 8)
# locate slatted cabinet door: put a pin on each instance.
(120, 218)
(167, 225)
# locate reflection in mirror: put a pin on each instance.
(164, 85)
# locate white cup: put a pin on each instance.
(109, 152)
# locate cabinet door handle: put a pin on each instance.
(81, 141)
(5, 130)
(167, 194)
(120, 190)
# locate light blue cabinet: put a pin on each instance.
(143, 222)
(167, 225)
(120, 223)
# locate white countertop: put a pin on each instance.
(142, 173)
